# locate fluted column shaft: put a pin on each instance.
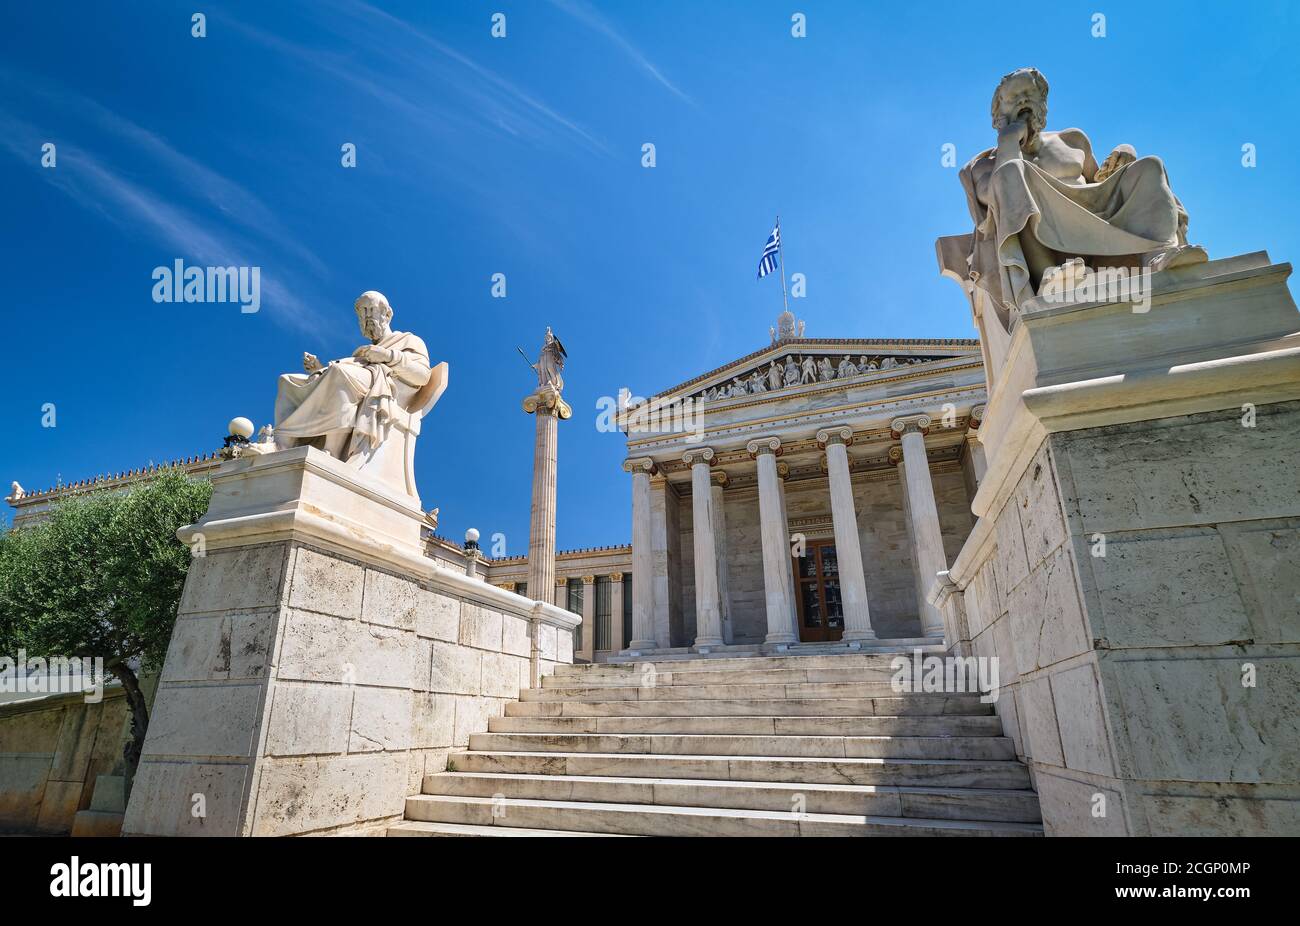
(927, 537)
(708, 616)
(616, 642)
(643, 606)
(589, 618)
(541, 527)
(848, 546)
(778, 582)
(718, 484)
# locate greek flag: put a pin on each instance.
(767, 263)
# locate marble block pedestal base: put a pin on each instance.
(320, 665)
(1136, 563)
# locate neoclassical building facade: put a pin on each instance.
(806, 493)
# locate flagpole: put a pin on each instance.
(780, 259)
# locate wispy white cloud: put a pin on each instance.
(89, 182)
(584, 13)
(470, 94)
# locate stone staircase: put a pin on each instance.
(754, 746)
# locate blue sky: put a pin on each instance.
(522, 156)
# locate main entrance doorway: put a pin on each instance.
(817, 593)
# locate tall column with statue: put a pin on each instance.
(546, 404)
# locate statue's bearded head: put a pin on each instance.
(1022, 95)
(373, 314)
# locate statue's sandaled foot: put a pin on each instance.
(1182, 255)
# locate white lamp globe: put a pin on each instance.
(241, 427)
(471, 535)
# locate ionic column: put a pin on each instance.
(589, 618)
(718, 482)
(927, 538)
(561, 592)
(778, 583)
(615, 612)
(708, 617)
(848, 547)
(643, 606)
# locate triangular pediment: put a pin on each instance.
(794, 362)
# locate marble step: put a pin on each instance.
(912, 747)
(862, 689)
(752, 663)
(755, 651)
(955, 725)
(417, 828)
(655, 820)
(948, 773)
(878, 675)
(1020, 806)
(900, 706)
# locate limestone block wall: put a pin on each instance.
(307, 692)
(884, 535)
(1124, 664)
(51, 751)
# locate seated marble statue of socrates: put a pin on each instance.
(365, 409)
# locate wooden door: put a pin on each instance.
(817, 593)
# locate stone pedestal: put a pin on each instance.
(320, 664)
(1136, 563)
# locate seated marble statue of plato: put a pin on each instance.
(1039, 201)
(365, 409)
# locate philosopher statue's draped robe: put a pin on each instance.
(366, 398)
(1131, 213)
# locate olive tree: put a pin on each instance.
(102, 576)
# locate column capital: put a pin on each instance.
(561, 581)
(895, 455)
(841, 435)
(616, 577)
(783, 470)
(547, 401)
(976, 417)
(909, 423)
(640, 465)
(699, 455)
(588, 580)
(764, 445)
(719, 478)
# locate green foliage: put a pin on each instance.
(103, 575)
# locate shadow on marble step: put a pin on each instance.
(1017, 806)
(862, 689)
(651, 820)
(946, 773)
(416, 828)
(932, 725)
(893, 706)
(911, 747)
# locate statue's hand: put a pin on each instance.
(311, 363)
(369, 353)
(1015, 131)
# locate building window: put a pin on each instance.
(627, 608)
(603, 628)
(521, 588)
(574, 589)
